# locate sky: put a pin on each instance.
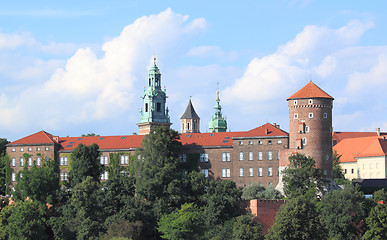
(78, 67)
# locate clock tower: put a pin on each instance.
(154, 112)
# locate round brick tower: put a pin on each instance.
(310, 125)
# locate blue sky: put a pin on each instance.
(74, 67)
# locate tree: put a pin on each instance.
(377, 223)
(297, 219)
(38, 183)
(379, 195)
(302, 176)
(342, 213)
(245, 228)
(123, 229)
(338, 173)
(84, 163)
(257, 191)
(89, 135)
(26, 221)
(4, 164)
(183, 223)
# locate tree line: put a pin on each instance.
(159, 197)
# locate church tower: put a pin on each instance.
(154, 112)
(217, 122)
(190, 120)
(310, 125)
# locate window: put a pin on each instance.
(310, 115)
(204, 157)
(13, 177)
(260, 156)
(146, 107)
(270, 155)
(240, 156)
(295, 102)
(303, 141)
(306, 129)
(260, 142)
(63, 176)
(46, 149)
(269, 142)
(352, 171)
(310, 101)
(345, 171)
(38, 161)
(278, 155)
(20, 175)
(279, 142)
(226, 157)
(21, 162)
(13, 150)
(204, 171)
(104, 160)
(183, 157)
(250, 142)
(226, 172)
(251, 156)
(270, 171)
(325, 115)
(182, 126)
(260, 172)
(30, 149)
(240, 172)
(240, 142)
(37, 148)
(158, 107)
(63, 161)
(13, 162)
(104, 176)
(187, 126)
(327, 157)
(21, 149)
(124, 160)
(295, 116)
(30, 161)
(251, 172)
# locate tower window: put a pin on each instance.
(310, 115)
(306, 129)
(310, 101)
(303, 141)
(182, 126)
(187, 126)
(295, 102)
(295, 116)
(158, 107)
(146, 107)
(325, 115)
(194, 126)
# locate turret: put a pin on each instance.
(217, 123)
(190, 120)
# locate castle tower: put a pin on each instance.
(217, 122)
(190, 121)
(310, 126)
(154, 112)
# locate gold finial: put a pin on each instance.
(154, 58)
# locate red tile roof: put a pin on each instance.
(41, 137)
(338, 136)
(310, 90)
(133, 141)
(352, 148)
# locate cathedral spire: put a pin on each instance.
(154, 112)
(218, 123)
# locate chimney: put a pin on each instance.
(378, 131)
(276, 125)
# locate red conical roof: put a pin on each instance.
(310, 90)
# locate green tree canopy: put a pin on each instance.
(377, 223)
(4, 164)
(38, 183)
(297, 219)
(257, 191)
(181, 224)
(302, 176)
(342, 213)
(244, 228)
(26, 220)
(85, 162)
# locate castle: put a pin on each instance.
(245, 157)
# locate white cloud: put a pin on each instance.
(97, 87)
